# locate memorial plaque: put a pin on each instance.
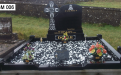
(62, 54)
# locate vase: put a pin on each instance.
(26, 60)
(64, 41)
(31, 60)
(97, 58)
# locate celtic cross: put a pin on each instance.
(51, 10)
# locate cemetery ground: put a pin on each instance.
(102, 3)
(26, 26)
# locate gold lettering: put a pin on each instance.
(74, 32)
(59, 37)
(62, 31)
(59, 31)
(71, 37)
(69, 31)
(70, 10)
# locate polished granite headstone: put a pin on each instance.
(68, 19)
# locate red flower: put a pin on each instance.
(97, 45)
(98, 51)
(90, 49)
(93, 46)
(102, 46)
(104, 51)
(65, 37)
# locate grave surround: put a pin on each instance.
(76, 50)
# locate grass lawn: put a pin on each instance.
(102, 3)
(26, 26)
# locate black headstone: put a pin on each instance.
(68, 19)
(70, 16)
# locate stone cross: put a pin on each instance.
(51, 10)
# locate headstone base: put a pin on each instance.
(74, 35)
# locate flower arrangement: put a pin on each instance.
(65, 36)
(28, 53)
(97, 49)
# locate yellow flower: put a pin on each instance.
(92, 51)
(100, 54)
(100, 46)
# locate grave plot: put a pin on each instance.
(58, 54)
(65, 48)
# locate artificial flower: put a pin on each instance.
(92, 51)
(97, 45)
(93, 46)
(97, 49)
(100, 54)
(104, 51)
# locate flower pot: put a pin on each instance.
(26, 60)
(31, 60)
(64, 41)
(97, 58)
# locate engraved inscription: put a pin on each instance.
(71, 37)
(70, 29)
(70, 10)
(61, 32)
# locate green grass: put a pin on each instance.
(26, 26)
(102, 3)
